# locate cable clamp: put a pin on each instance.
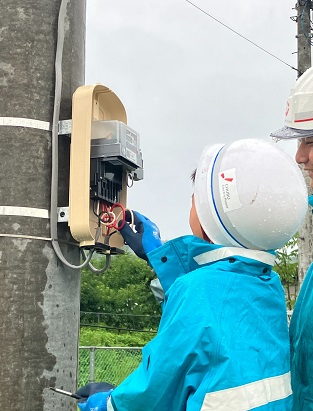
(33, 237)
(63, 214)
(65, 127)
(27, 237)
(34, 212)
(25, 122)
(24, 211)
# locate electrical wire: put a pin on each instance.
(107, 256)
(55, 145)
(240, 35)
(107, 217)
(117, 223)
(100, 270)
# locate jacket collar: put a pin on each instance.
(184, 254)
(227, 252)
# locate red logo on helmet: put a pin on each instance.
(230, 179)
(287, 109)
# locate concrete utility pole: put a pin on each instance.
(39, 296)
(305, 242)
(304, 35)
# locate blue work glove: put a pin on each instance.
(96, 401)
(93, 387)
(146, 236)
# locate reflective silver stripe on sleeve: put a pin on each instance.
(157, 290)
(249, 396)
(109, 405)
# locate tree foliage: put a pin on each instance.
(286, 265)
(123, 292)
(99, 337)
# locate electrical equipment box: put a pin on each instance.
(114, 147)
(105, 160)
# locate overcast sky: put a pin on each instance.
(187, 81)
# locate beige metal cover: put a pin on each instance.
(95, 102)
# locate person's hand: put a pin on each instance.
(94, 394)
(146, 236)
(97, 401)
(93, 387)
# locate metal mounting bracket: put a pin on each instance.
(62, 214)
(65, 127)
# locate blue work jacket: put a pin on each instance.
(301, 339)
(222, 342)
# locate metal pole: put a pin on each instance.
(39, 296)
(303, 8)
(305, 242)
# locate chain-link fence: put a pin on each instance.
(107, 364)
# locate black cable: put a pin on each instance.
(240, 35)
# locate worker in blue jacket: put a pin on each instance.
(222, 342)
(299, 125)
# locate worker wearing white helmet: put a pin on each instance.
(299, 124)
(223, 341)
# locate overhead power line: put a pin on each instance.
(240, 35)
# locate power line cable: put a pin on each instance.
(240, 35)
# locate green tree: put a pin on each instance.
(123, 291)
(286, 265)
(99, 337)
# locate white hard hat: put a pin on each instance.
(299, 109)
(249, 194)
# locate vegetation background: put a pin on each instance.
(118, 307)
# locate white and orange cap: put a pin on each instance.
(299, 109)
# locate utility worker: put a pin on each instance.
(299, 125)
(222, 342)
